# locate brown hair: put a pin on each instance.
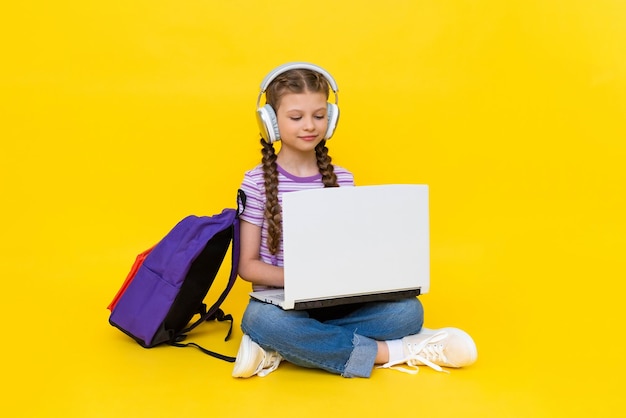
(292, 81)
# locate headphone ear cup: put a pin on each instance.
(268, 124)
(333, 116)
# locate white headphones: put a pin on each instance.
(266, 116)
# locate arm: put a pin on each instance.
(251, 268)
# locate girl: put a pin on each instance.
(347, 340)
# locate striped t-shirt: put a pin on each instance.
(254, 187)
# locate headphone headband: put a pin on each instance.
(297, 66)
(266, 116)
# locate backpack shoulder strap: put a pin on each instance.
(214, 312)
(231, 281)
(205, 351)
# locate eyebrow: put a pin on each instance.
(300, 110)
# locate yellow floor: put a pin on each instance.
(119, 118)
(543, 351)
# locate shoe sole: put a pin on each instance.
(243, 358)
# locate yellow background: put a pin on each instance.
(118, 118)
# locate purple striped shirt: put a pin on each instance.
(254, 188)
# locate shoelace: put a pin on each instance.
(269, 364)
(426, 352)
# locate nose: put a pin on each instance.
(309, 124)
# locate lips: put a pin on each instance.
(308, 138)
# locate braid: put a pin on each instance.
(329, 178)
(292, 81)
(272, 208)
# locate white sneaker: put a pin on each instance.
(254, 360)
(447, 347)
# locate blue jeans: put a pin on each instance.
(340, 340)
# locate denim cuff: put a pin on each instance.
(361, 361)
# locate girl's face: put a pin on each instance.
(302, 120)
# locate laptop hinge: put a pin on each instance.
(346, 300)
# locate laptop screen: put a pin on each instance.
(356, 240)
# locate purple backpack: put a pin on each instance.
(167, 286)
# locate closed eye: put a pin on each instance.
(297, 118)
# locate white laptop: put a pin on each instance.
(353, 244)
